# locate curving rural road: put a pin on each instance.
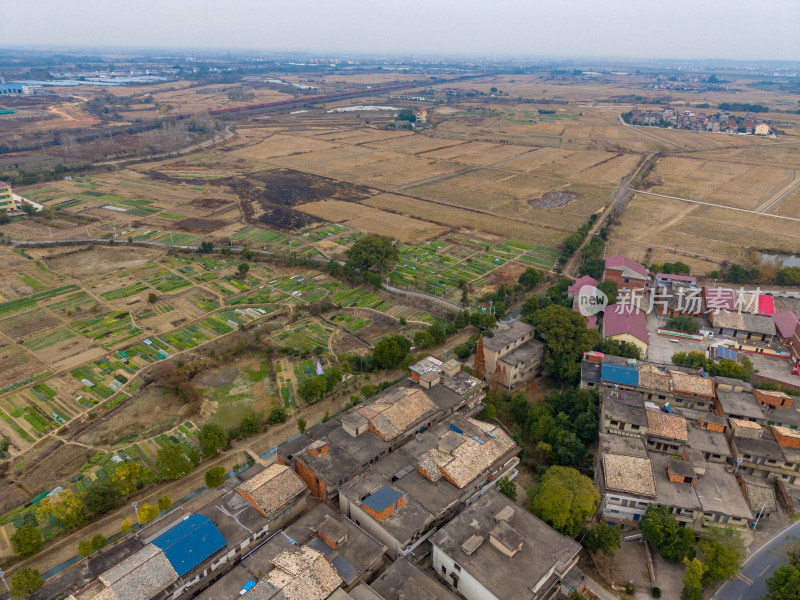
(751, 581)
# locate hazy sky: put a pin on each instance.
(733, 29)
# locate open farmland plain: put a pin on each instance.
(491, 186)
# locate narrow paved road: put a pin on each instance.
(751, 582)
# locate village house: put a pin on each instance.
(428, 481)
(757, 328)
(666, 432)
(496, 550)
(627, 487)
(623, 413)
(786, 323)
(511, 357)
(700, 494)
(181, 554)
(277, 493)
(302, 573)
(757, 453)
(351, 554)
(626, 323)
(332, 453)
(742, 406)
(404, 581)
(626, 273)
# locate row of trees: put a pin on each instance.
(765, 273)
(575, 240)
(723, 368)
(72, 509)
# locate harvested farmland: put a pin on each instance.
(374, 220)
(554, 199)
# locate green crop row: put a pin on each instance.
(20, 303)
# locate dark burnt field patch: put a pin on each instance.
(269, 197)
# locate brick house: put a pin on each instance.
(626, 273)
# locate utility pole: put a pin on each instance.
(50, 231)
(3, 577)
(761, 512)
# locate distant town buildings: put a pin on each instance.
(20, 89)
(719, 122)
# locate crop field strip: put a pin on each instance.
(32, 406)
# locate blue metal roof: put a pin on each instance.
(190, 543)
(620, 374)
(382, 499)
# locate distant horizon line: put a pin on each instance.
(361, 54)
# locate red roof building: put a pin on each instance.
(786, 324)
(625, 320)
(626, 273)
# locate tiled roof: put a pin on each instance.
(744, 322)
(398, 411)
(142, 575)
(273, 488)
(653, 378)
(431, 461)
(692, 384)
(666, 425)
(630, 474)
(472, 457)
(303, 575)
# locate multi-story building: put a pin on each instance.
(408, 493)
(739, 405)
(7, 202)
(623, 413)
(496, 550)
(765, 453)
(332, 453)
(511, 357)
